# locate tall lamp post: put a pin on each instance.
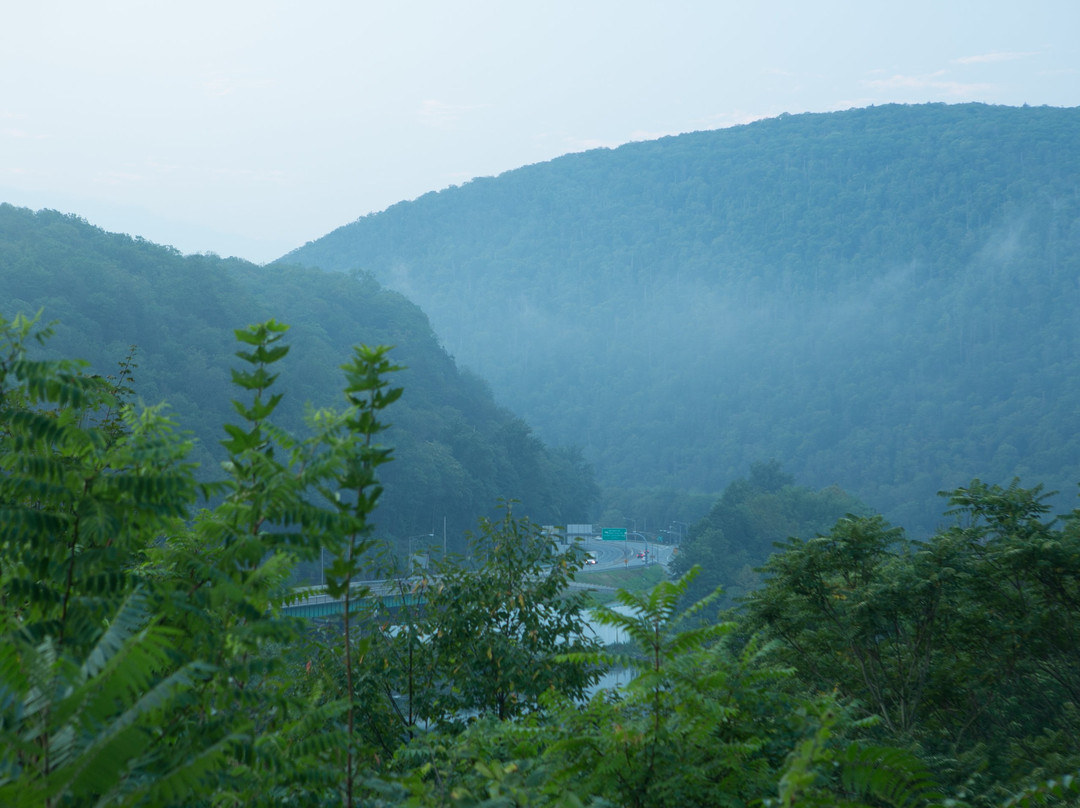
(682, 529)
(413, 538)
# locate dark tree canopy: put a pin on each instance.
(746, 523)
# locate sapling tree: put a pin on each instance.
(144, 659)
(498, 626)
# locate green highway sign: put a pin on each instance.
(613, 534)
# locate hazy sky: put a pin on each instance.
(248, 127)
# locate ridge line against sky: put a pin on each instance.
(248, 128)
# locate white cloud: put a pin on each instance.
(932, 81)
(996, 56)
(18, 131)
(23, 134)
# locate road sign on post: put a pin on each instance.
(613, 534)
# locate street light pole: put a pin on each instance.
(682, 529)
(418, 536)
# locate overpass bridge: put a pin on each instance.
(313, 602)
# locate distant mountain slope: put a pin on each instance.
(882, 298)
(457, 452)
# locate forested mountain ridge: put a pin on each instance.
(880, 298)
(457, 453)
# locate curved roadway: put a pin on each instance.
(622, 554)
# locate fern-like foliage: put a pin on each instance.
(1059, 791)
(657, 629)
(143, 658)
(821, 771)
(88, 732)
(697, 723)
(87, 669)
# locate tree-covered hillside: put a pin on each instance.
(457, 452)
(881, 298)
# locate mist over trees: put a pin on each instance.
(882, 299)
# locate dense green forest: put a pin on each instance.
(145, 659)
(882, 299)
(744, 525)
(458, 453)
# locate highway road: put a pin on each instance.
(314, 601)
(621, 554)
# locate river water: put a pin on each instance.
(609, 635)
